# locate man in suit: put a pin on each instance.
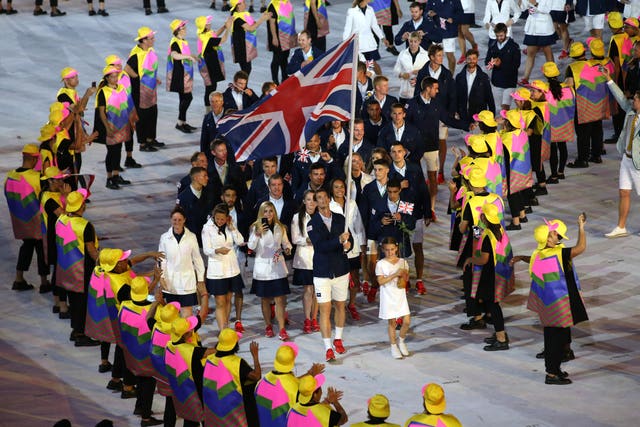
(313, 167)
(400, 130)
(238, 96)
(210, 122)
(330, 270)
(197, 204)
(504, 57)
(374, 121)
(285, 208)
(420, 23)
(260, 183)
(381, 94)
(222, 172)
(304, 54)
(473, 89)
(360, 144)
(197, 159)
(364, 85)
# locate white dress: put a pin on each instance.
(393, 300)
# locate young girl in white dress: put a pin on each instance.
(393, 275)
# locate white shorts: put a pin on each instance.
(629, 175)
(449, 45)
(443, 131)
(418, 234)
(327, 290)
(432, 161)
(502, 96)
(372, 247)
(594, 22)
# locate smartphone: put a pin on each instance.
(584, 214)
(265, 221)
(477, 232)
(93, 84)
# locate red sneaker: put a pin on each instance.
(420, 288)
(239, 327)
(268, 332)
(462, 60)
(524, 51)
(330, 356)
(523, 82)
(315, 327)
(353, 311)
(337, 344)
(440, 178)
(365, 287)
(563, 55)
(283, 335)
(371, 295)
(434, 218)
(306, 328)
(399, 323)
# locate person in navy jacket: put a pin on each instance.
(418, 22)
(446, 14)
(330, 241)
(304, 54)
(593, 12)
(222, 172)
(409, 134)
(361, 145)
(285, 208)
(479, 97)
(380, 94)
(505, 57)
(239, 89)
(196, 202)
(305, 162)
(364, 86)
(374, 120)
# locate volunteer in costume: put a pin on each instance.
(539, 139)
(220, 238)
(114, 119)
(22, 190)
(489, 130)
(225, 370)
(51, 207)
(620, 51)
(180, 62)
(303, 261)
(378, 411)
(272, 389)
(77, 249)
(182, 268)
(522, 99)
(434, 404)
(270, 242)
(244, 39)
(316, 22)
(311, 409)
(211, 59)
(387, 14)
(555, 294)
(281, 37)
(493, 277)
(142, 68)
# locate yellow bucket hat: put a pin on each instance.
(434, 400)
(227, 340)
(550, 69)
(485, 117)
(144, 32)
(177, 23)
(286, 357)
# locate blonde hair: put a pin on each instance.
(261, 210)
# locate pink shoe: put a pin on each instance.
(462, 60)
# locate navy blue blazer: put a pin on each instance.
(386, 108)
(596, 7)
(411, 140)
(371, 131)
(364, 150)
(506, 75)
(480, 97)
(431, 33)
(197, 210)
(289, 209)
(329, 258)
(235, 177)
(230, 103)
(379, 231)
(259, 188)
(417, 191)
(426, 118)
(370, 197)
(446, 87)
(360, 98)
(300, 175)
(446, 9)
(298, 58)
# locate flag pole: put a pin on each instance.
(354, 88)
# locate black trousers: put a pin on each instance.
(558, 163)
(208, 90)
(279, 63)
(25, 255)
(147, 124)
(185, 101)
(78, 310)
(388, 32)
(536, 159)
(245, 66)
(471, 304)
(589, 139)
(618, 122)
(120, 368)
(144, 401)
(169, 416)
(496, 314)
(52, 3)
(147, 4)
(114, 155)
(320, 43)
(516, 203)
(555, 343)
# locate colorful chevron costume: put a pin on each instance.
(502, 254)
(323, 16)
(186, 63)
(148, 74)
(185, 396)
(382, 9)
(118, 109)
(561, 115)
(203, 40)
(275, 394)
(136, 338)
(592, 95)
(250, 38)
(222, 392)
(70, 247)
(22, 190)
(517, 144)
(286, 23)
(101, 309)
(309, 416)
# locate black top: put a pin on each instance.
(237, 39)
(486, 286)
(177, 76)
(210, 55)
(578, 311)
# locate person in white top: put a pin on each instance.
(223, 272)
(501, 12)
(361, 19)
(631, 8)
(409, 63)
(303, 261)
(538, 34)
(182, 276)
(393, 275)
(356, 228)
(270, 242)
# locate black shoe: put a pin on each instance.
(533, 202)
(21, 286)
(148, 12)
(561, 175)
(327, 3)
(148, 148)
(541, 191)
(58, 12)
(92, 12)
(613, 140)
(55, 309)
(263, 9)
(492, 339)
(568, 355)
(73, 336)
(39, 12)
(151, 422)
(556, 380)
(103, 12)
(474, 25)
(497, 346)
(596, 159)
(112, 184)
(163, 10)
(105, 367)
(553, 179)
(527, 210)
(159, 144)
(11, 12)
(540, 355)
(524, 220)
(129, 394)
(64, 315)
(392, 50)
(225, 8)
(578, 164)
(131, 163)
(137, 411)
(512, 227)
(182, 128)
(188, 126)
(120, 180)
(474, 324)
(48, 287)
(119, 169)
(115, 386)
(85, 341)
(212, 5)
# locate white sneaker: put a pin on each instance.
(395, 352)
(617, 232)
(403, 348)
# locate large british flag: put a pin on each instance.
(282, 122)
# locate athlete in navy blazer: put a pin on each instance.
(329, 258)
(298, 58)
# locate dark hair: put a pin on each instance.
(303, 209)
(269, 159)
(389, 240)
(316, 166)
(381, 162)
(305, 32)
(220, 208)
(196, 170)
(394, 182)
(500, 28)
(267, 86)
(416, 4)
(194, 156)
(274, 177)
(358, 121)
(472, 52)
(362, 67)
(433, 49)
(496, 229)
(555, 87)
(215, 143)
(398, 105)
(322, 190)
(333, 181)
(428, 82)
(228, 187)
(178, 209)
(486, 129)
(240, 75)
(372, 101)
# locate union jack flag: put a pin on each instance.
(405, 208)
(282, 122)
(303, 155)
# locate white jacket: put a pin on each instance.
(540, 23)
(404, 65)
(468, 6)
(494, 15)
(303, 259)
(356, 227)
(267, 265)
(365, 25)
(182, 266)
(220, 266)
(631, 9)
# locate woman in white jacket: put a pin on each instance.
(501, 12)
(182, 276)
(303, 261)
(219, 236)
(270, 242)
(409, 63)
(539, 33)
(361, 19)
(356, 228)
